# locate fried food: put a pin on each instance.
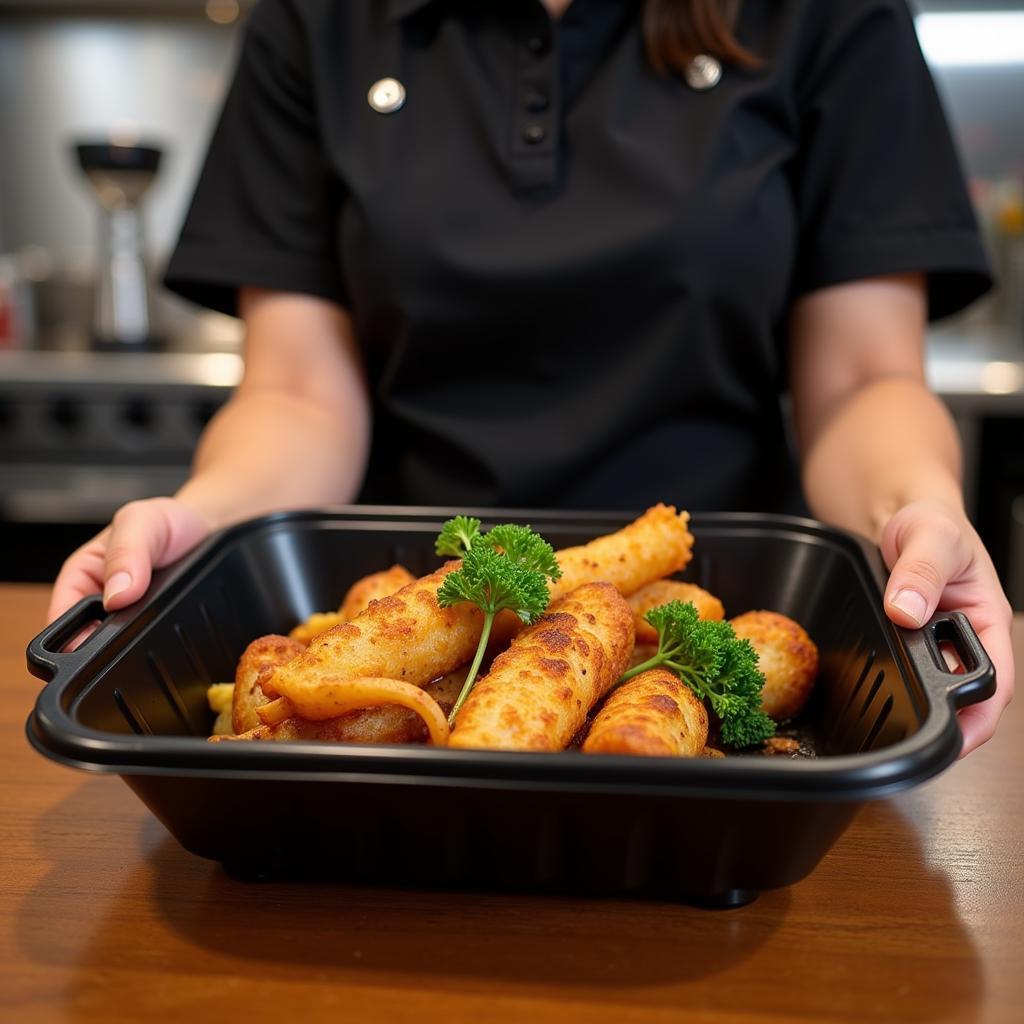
(408, 636)
(656, 545)
(357, 598)
(275, 711)
(538, 693)
(447, 688)
(220, 697)
(317, 623)
(653, 714)
(780, 746)
(786, 655)
(369, 692)
(391, 724)
(660, 592)
(255, 667)
(373, 588)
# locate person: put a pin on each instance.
(569, 254)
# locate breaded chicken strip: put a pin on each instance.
(653, 714)
(538, 693)
(660, 592)
(656, 545)
(786, 655)
(255, 667)
(408, 636)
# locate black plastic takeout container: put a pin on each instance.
(132, 701)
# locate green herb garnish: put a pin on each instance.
(457, 536)
(506, 568)
(717, 665)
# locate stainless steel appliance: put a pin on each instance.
(82, 433)
(120, 175)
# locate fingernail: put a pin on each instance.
(911, 603)
(117, 584)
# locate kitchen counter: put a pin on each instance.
(916, 915)
(82, 368)
(975, 368)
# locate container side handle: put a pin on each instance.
(977, 679)
(45, 654)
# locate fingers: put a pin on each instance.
(81, 574)
(143, 536)
(119, 561)
(978, 722)
(934, 555)
(924, 551)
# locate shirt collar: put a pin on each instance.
(398, 9)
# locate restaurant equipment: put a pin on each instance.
(132, 701)
(81, 433)
(17, 307)
(120, 175)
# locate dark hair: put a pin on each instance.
(675, 31)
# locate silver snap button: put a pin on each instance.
(387, 95)
(703, 72)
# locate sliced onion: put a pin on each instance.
(276, 711)
(335, 697)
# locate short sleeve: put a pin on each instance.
(265, 210)
(878, 183)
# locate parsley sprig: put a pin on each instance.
(457, 536)
(717, 665)
(507, 568)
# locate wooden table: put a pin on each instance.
(916, 915)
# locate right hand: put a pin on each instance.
(119, 561)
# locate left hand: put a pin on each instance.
(937, 561)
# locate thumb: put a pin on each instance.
(924, 551)
(145, 535)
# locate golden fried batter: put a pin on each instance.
(408, 636)
(357, 598)
(220, 697)
(255, 667)
(660, 592)
(657, 544)
(786, 655)
(317, 623)
(373, 588)
(653, 714)
(538, 693)
(780, 746)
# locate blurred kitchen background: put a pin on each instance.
(103, 393)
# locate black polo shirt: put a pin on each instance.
(570, 276)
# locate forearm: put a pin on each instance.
(889, 444)
(270, 450)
